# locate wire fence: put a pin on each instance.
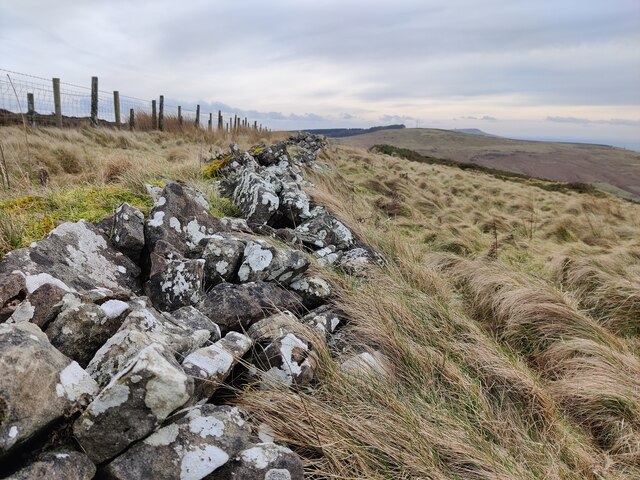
(39, 101)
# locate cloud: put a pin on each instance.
(586, 121)
(486, 118)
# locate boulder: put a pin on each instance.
(222, 255)
(74, 256)
(359, 261)
(81, 330)
(323, 230)
(314, 291)
(324, 319)
(174, 281)
(328, 255)
(192, 444)
(142, 327)
(57, 465)
(210, 366)
(262, 461)
(265, 262)
(136, 401)
(272, 154)
(193, 320)
(128, 231)
(45, 302)
(256, 197)
(38, 384)
(13, 290)
(365, 363)
(238, 306)
(180, 217)
(294, 204)
(235, 224)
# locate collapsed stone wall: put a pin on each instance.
(115, 339)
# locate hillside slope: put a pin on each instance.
(609, 168)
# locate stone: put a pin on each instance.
(359, 261)
(74, 256)
(238, 306)
(235, 224)
(262, 461)
(324, 320)
(272, 154)
(192, 444)
(193, 320)
(210, 366)
(45, 301)
(257, 198)
(314, 291)
(136, 401)
(294, 204)
(174, 281)
(128, 231)
(142, 327)
(328, 255)
(222, 256)
(38, 385)
(105, 226)
(180, 217)
(57, 465)
(323, 230)
(265, 262)
(13, 290)
(365, 363)
(81, 330)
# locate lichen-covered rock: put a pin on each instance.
(328, 255)
(81, 330)
(272, 154)
(359, 261)
(294, 204)
(174, 281)
(323, 230)
(210, 366)
(314, 291)
(366, 363)
(235, 224)
(45, 300)
(257, 198)
(128, 231)
(238, 306)
(180, 216)
(57, 465)
(193, 320)
(38, 384)
(75, 256)
(222, 255)
(262, 261)
(262, 461)
(141, 328)
(192, 444)
(13, 290)
(133, 404)
(324, 319)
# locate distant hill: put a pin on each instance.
(473, 131)
(608, 168)
(349, 132)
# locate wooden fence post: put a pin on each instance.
(161, 114)
(179, 115)
(210, 127)
(94, 101)
(116, 107)
(56, 102)
(197, 116)
(255, 125)
(132, 120)
(220, 125)
(31, 109)
(154, 115)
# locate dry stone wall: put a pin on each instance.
(114, 339)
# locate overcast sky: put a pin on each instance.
(554, 69)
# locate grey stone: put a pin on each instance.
(294, 204)
(272, 154)
(262, 261)
(359, 261)
(222, 255)
(137, 400)
(210, 366)
(328, 255)
(128, 231)
(238, 306)
(74, 256)
(314, 291)
(366, 363)
(262, 461)
(38, 384)
(323, 230)
(13, 290)
(193, 320)
(192, 444)
(324, 319)
(180, 216)
(45, 300)
(257, 198)
(57, 465)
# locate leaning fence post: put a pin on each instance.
(56, 102)
(220, 125)
(154, 115)
(197, 116)
(132, 120)
(116, 107)
(161, 114)
(31, 109)
(179, 115)
(94, 101)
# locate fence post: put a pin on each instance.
(246, 122)
(161, 114)
(116, 107)
(56, 102)
(132, 120)
(31, 109)
(210, 127)
(255, 125)
(94, 101)
(220, 125)
(154, 115)
(179, 115)
(197, 116)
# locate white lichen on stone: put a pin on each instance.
(33, 282)
(212, 360)
(261, 455)
(207, 426)
(23, 313)
(157, 220)
(114, 395)
(165, 436)
(114, 308)
(13, 432)
(200, 462)
(175, 224)
(75, 382)
(277, 474)
(256, 259)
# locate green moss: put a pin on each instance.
(28, 219)
(213, 169)
(223, 207)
